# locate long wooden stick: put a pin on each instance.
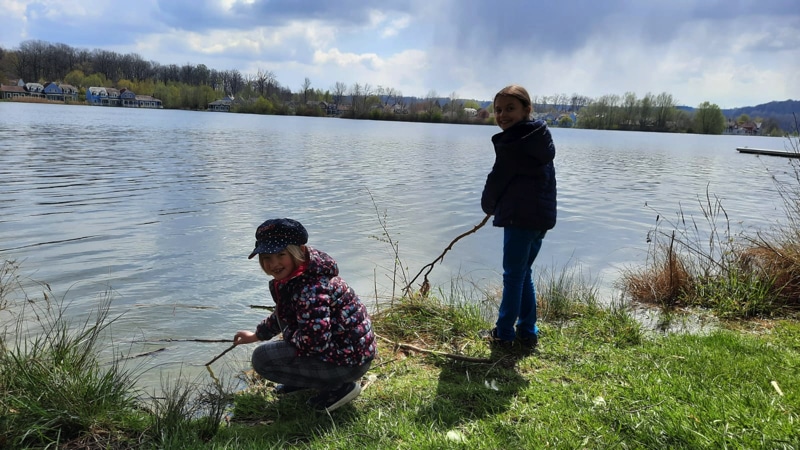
(221, 354)
(204, 341)
(437, 353)
(426, 285)
(145, 354)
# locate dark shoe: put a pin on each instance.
(283, 389)
(494, 340)
(331, 400)
(528, 342)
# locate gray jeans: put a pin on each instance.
(277, 361)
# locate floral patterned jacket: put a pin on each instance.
(320, 314)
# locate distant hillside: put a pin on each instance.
(781, 111)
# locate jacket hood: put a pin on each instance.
(534, 130)
(320, 264)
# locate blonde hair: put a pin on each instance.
(518, 92)
(297, 252)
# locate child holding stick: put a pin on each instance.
(328, 343)
(520, 192)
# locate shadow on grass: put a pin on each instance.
(286, 419)
(466, 392)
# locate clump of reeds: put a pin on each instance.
(738, 276)
(777, 252)
(52, 385)
(562, 293)
(663, 281)
(57, 391)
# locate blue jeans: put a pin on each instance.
(520, 247)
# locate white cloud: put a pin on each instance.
(336, 57)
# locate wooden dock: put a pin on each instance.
(761, 151)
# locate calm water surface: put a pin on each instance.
(159, 207)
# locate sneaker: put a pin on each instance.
(283, 389)
(331, 400)
(529, 342)
(494, 340)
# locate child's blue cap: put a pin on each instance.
(274, 235)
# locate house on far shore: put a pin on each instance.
(60, 92)
(9, 91)
(147, 101)
(223, 105)
(35, 90)
(97, 96)
(103, 96)
(70, 92)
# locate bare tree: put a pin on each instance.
(578, 102)
(235, 82)
(368, 98)
(356, 92)
(400, 101)
(391, 96)
(260, 81)
(106, 63)
(544, 101)
(306, 87)
(456, 106)
(380, 91)
(431, 103)
(30, 60)
(338, 90)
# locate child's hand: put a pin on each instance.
(244, 337)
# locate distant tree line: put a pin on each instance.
(193, 86)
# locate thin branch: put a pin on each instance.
(437, 353)
(205, 341)
(268, 308)
(426, 285)
(144, 354)
(221, 354)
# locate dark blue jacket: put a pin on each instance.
(520, 190)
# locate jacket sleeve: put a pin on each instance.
(496, 183)
(268, 328)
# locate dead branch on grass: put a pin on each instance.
(472, 359)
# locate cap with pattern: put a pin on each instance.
(274, 235)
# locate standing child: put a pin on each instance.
(328, 343)
(520, 192)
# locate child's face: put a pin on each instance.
(508, 111)
(278, 265)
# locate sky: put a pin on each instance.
(732, 53)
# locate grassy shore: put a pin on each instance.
(598, 380)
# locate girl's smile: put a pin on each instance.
(278, 265)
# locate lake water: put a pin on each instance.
(159, 207)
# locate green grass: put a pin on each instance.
(587, 387)
(597, 381)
